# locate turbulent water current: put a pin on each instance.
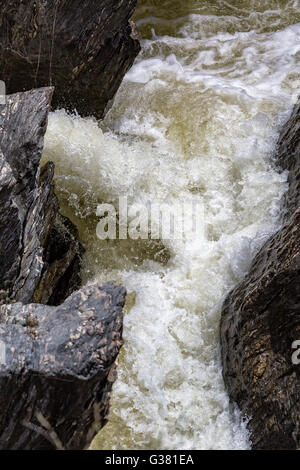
(196, 118)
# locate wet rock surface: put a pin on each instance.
(37, 246)
(261, 321)
(83, 48)
(58, 369)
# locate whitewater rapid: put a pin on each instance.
(197, 117)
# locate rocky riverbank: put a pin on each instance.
(58, 347)
(261, 321)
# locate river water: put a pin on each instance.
(196, 118)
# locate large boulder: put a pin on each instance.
(261, 322)
(58, 365)
(82, 47)
(39, 249)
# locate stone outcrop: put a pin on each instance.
(57, 368)
(82, 47)
(261, 322)
(39, 250)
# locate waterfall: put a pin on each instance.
(196, 119)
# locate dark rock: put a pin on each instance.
(261, 321)
(58, 369)
(62, 262)
(82, 47)
(23, 123)
(37, 245)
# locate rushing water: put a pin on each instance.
(196, 117)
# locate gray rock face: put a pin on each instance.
(82, 47)
(58, 369)
(261, 321)
(23, 123)
(30, 224)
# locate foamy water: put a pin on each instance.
(196, 118)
